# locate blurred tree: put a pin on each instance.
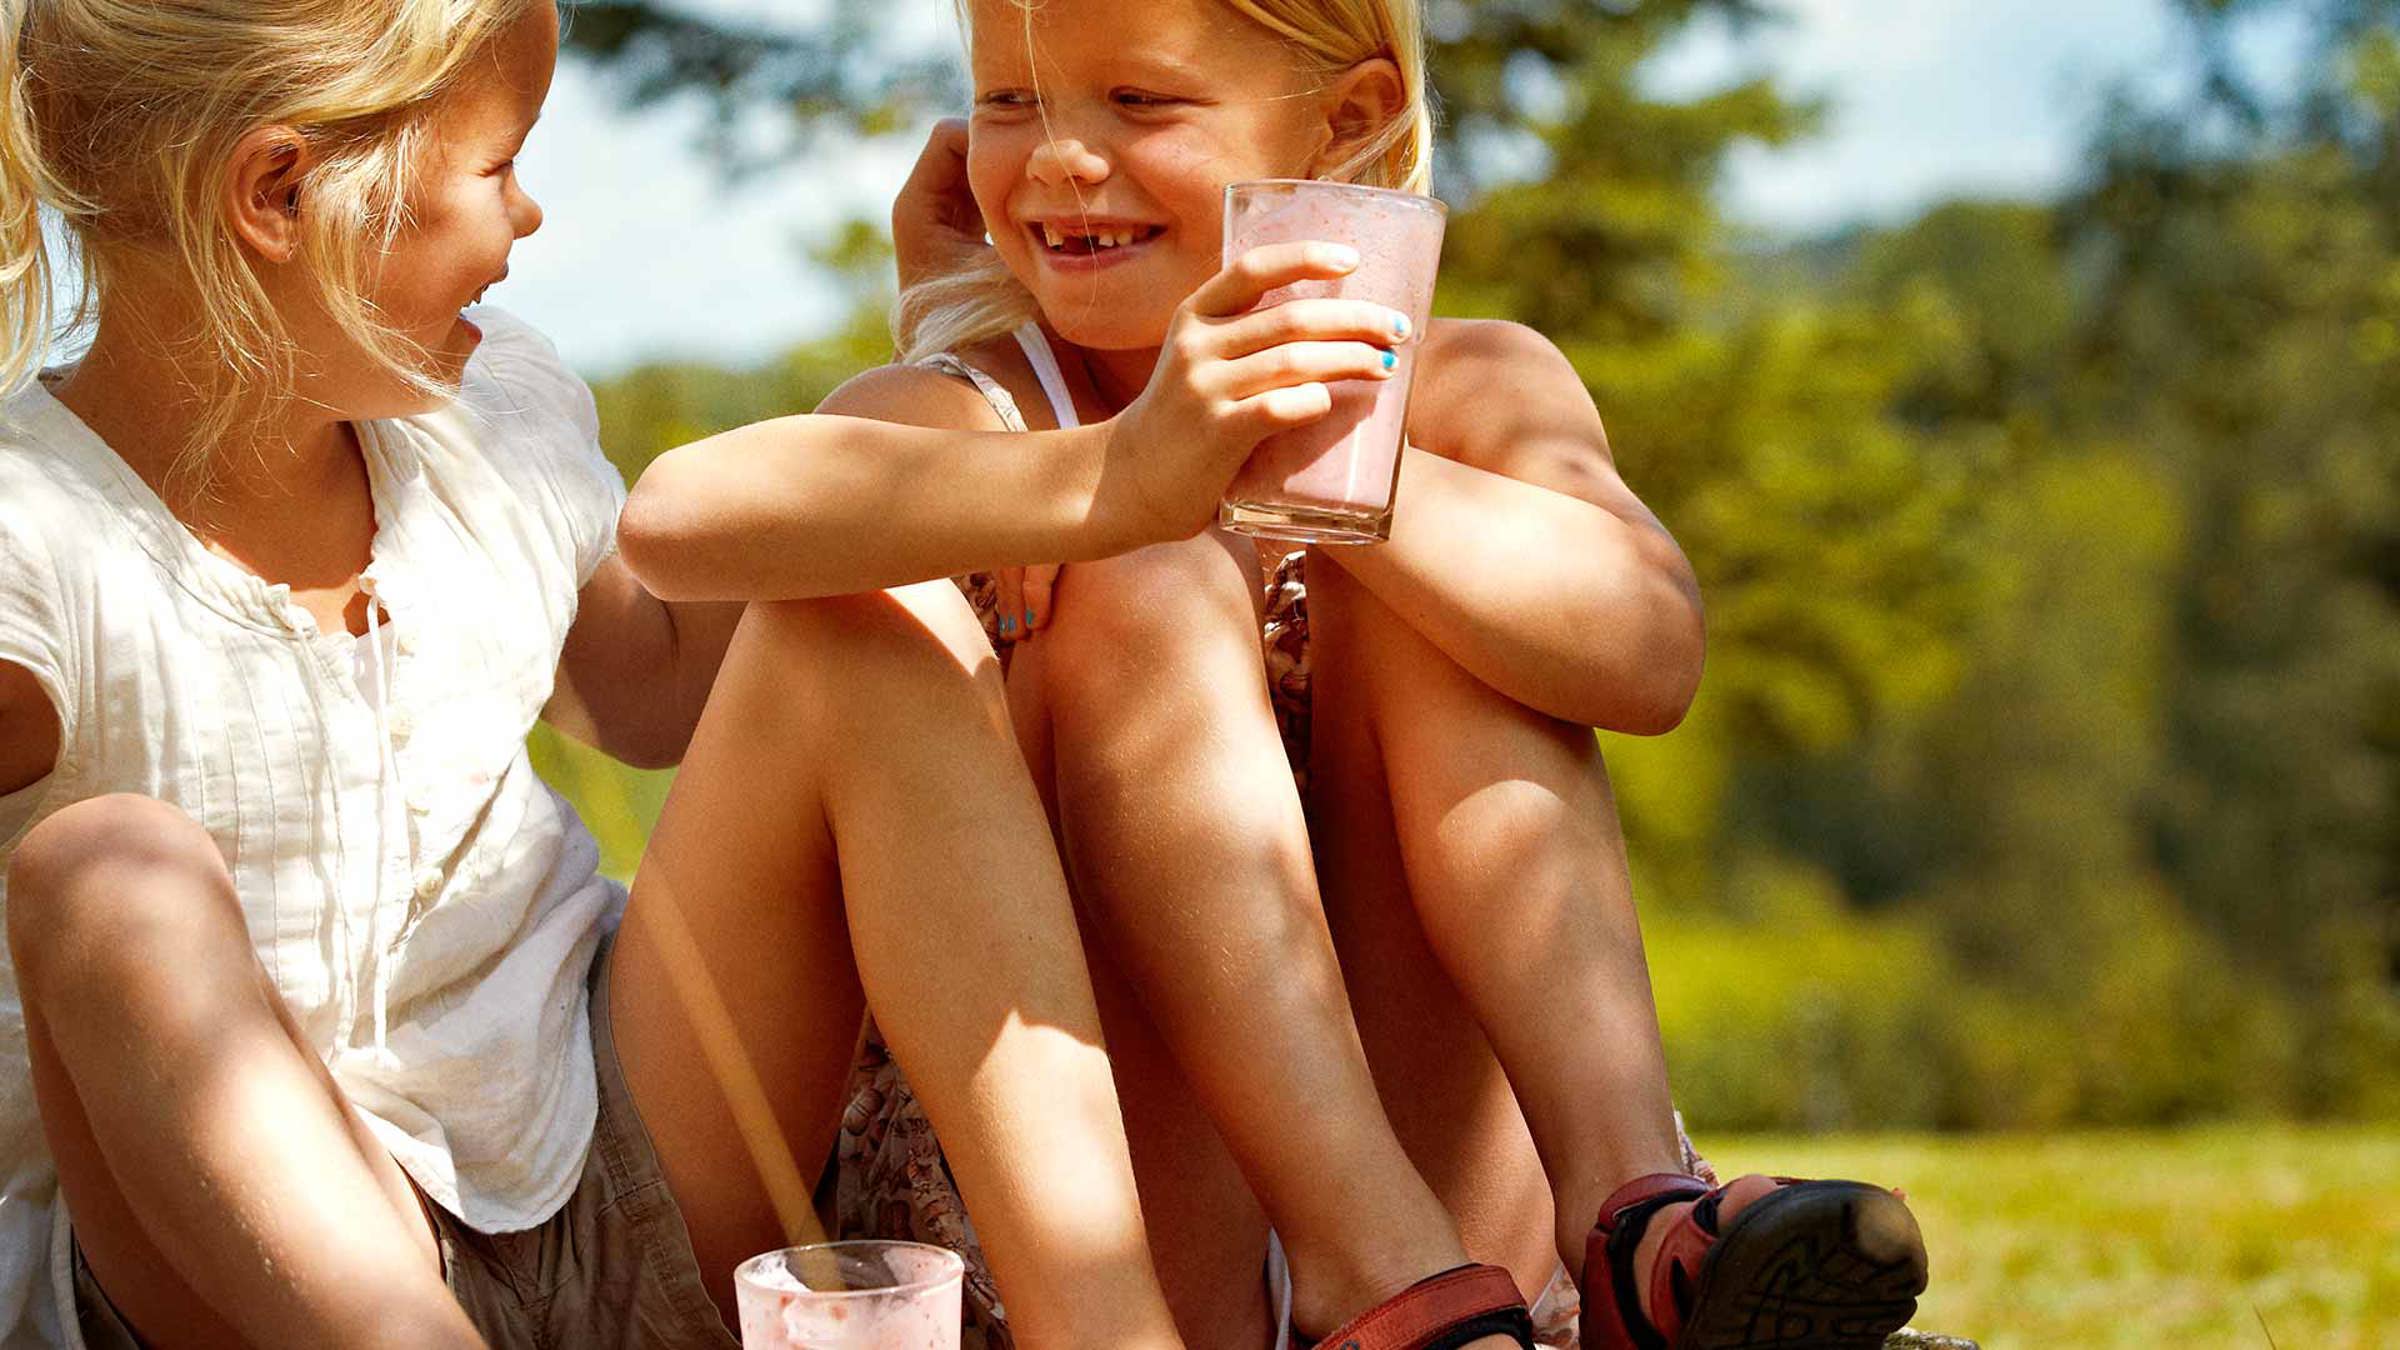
(2242, 329)
(833, 71)
(1824, 527)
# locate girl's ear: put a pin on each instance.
(262, 193)
(1357, 106)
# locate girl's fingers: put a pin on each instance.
(1040, 582)
(1298, 363)
(1283, 409)
(1247, 279)
(1012, 603)
(1313, 320)
(935, 218)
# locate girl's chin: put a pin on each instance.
(1101, 326)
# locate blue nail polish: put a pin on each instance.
(1400, 325)
(1008, 623)
(1390, 359)
(1029, 621)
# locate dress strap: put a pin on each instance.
(1045, 368)
(1002, 403)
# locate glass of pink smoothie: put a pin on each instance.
(851, 1296)
(1333, 482)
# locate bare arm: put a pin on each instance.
(850, 500)
(1520, 552)
(784, 509)
(636, 669)
(865, 495)
(29, 732)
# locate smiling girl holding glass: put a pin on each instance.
(1488, 1080)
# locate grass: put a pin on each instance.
(2247, 1236)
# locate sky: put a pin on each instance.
(647, 253)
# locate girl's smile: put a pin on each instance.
(1100, 165)
(1088, 245)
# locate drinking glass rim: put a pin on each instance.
(954, 1266)
(1423, 200)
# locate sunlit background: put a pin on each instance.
(2025, 382)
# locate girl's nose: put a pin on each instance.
(1056, 161)
(525, 214)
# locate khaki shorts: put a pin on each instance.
(613, 1268)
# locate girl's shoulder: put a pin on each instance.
(532, 426)
(517, 370)
(976, 388)
(1485, 384)
(61, 547)
(1463, 354)
(53, 495)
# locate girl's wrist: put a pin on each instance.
(1114, 518)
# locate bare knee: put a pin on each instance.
(856, 660)
(100, 883)
(1167, 607)
(904, 627)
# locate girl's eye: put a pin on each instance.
(1134, 98)
(1007, 98)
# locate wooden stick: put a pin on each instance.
(788, 1190)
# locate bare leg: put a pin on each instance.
(223, 1191)
(1504, 824)
(1189, 849)
(1208, 1236)
(854, 818)
(1442, 1087)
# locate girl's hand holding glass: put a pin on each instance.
(1230, 375)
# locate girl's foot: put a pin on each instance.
(1762, 1264)
(1472, 1307)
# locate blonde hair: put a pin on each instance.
(122, 116)
(979, 298)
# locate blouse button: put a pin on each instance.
(429, 883)
(403, 724)
(421, 802)
(407, 643)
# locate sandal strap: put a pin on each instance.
(1442, 1312)
(1617, 1323)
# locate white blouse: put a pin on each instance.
(426, 905)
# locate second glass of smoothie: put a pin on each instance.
(852, 1296)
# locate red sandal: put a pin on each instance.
(1441, 1312)
(1811, 1265)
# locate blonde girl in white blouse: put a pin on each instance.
(311, 1029)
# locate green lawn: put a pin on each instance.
(2157, 1240)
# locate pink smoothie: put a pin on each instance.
(782, 1310)
(1346, 464)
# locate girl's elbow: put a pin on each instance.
(646, 540)
(1655, 696)
(1666, 709)
(1676, 674)
(1646, 713)
(658, 535)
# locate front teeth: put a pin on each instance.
(1100, 239)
